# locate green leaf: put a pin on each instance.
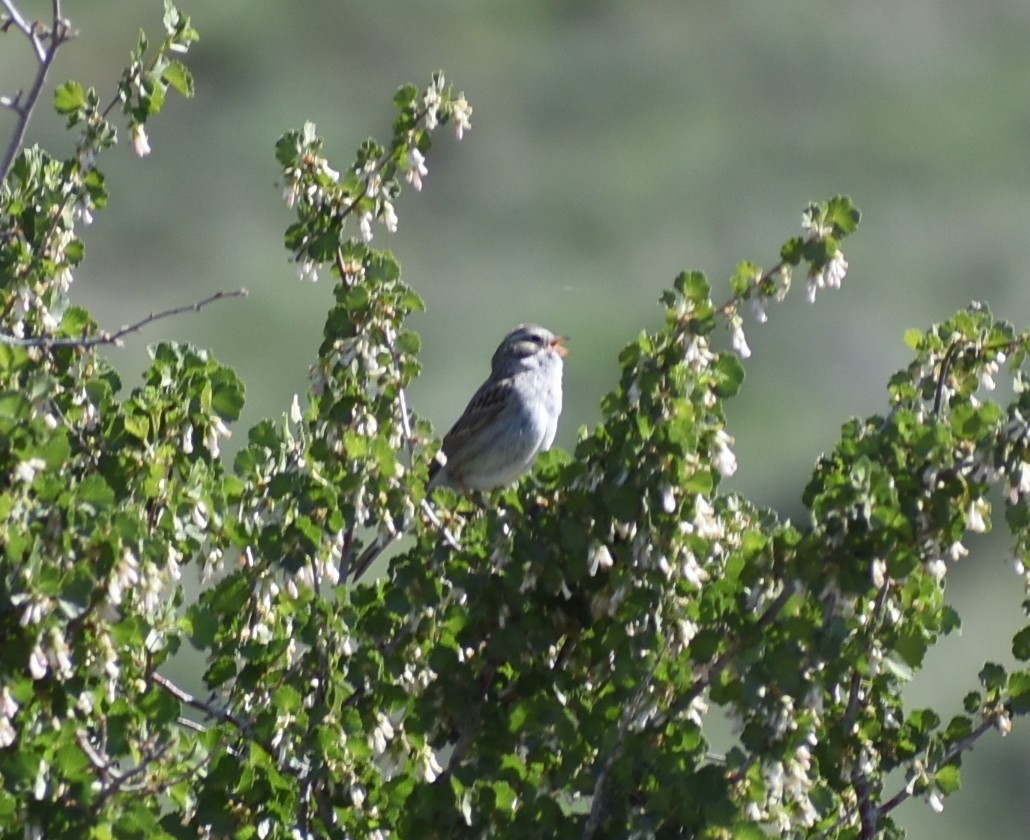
(95, 492)
(179, 77)
(228, 394)
(913, 338)
(69, 97)
(947, 779)
(845, 216)
(729, 375)
(694, 287)
(992, 676)
(1021, 644)
(793, 250)
(15, 406)
(743, 276)
(1019, 692)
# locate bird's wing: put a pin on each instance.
(483, 409)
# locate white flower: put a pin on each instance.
(295, 413)
(81, 210)
(975, 520)
(389, 217)
(416, 168)
(461, 111)
(290, 193)
(37, 663)
(58, 655)
(84, 704)
(381, 735)
(322, 165)
(357, 795)
(758, 308)
(126, 575)
(140, 144)
(215, 430)
(8, 705)
(878, 571)
(692, 571)
(199, 515)
(26, 471)
(599, 557)
(830, 276)
(64, 278)
(307, 270)
(428, 768)
(706, 523)
(836, 270)
(432, 104)
(738, 339)
(725, 461)
(935, 801)
(7, 733)
(39, 789)
(816, 228)
(187, 440)
(365, 225)
(668, 499)
(937, 568)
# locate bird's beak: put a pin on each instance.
(558, 347)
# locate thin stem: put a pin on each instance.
(956, 750)
(116, 337)
(59, 33)
(211, 711)
(629, 711)
(29, 30)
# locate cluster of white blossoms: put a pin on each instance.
(831, 274)
(436, 104)
(8, 709)
(316, 183)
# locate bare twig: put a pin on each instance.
(116, 337)
(58, 34)
(29, 30)
(211, 711)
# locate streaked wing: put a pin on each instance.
(483, 409)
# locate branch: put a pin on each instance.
(731, 652)
(115, 338)
(211, 711)
(956, 750)
(59, 33)
(629, 711)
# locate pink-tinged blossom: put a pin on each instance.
(416, 168)
(140, 143)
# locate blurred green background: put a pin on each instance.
(612, 146)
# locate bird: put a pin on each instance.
(511, 418)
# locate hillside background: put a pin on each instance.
(612, 146)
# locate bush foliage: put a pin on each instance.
(547, 660)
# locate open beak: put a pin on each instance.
(558, 347)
